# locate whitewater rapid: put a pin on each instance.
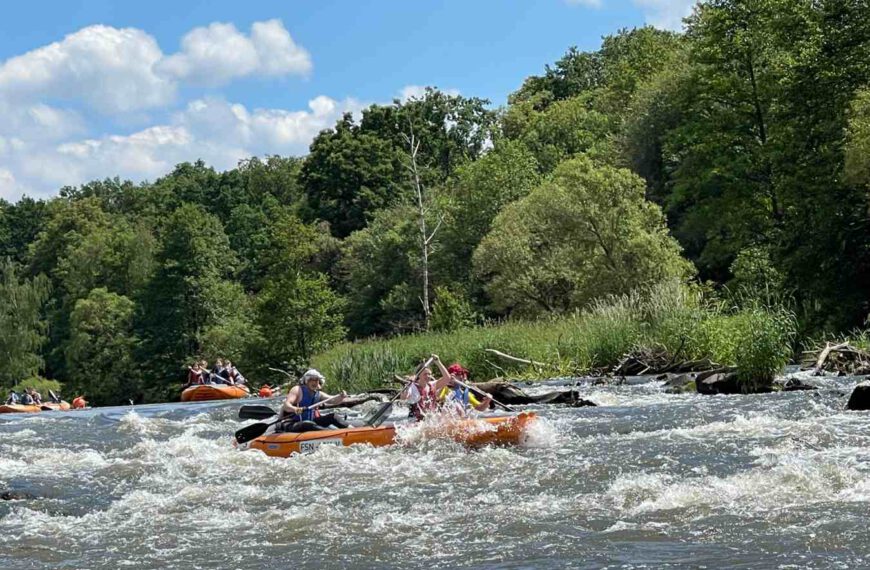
(645, 480)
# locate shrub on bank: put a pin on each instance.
(669, 318)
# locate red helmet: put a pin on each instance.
(458, 370)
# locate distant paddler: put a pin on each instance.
(300, 411)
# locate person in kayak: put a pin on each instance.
(194, 375)
(35, 396)
(457, 396)
(422, 393)
(295, 413)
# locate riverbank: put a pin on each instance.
(670, 320)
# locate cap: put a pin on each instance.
(457, 369)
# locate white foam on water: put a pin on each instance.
(793, 481)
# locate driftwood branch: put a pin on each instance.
(840, 358)
(515, 359)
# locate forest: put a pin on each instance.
(734, 156)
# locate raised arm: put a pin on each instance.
(444, 380)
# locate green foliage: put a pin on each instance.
(667, 317)
(470, 204)
(298, 315)
(451, 311)
(586, 233)
(41, 385)
(99, 353)
(857, 163)
(378, 266)
(755, 272)
(22, 328)
(348, 174)
(188, 295)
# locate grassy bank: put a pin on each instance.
(669, 318)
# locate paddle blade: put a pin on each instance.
(255, 412)
(380, 415)
(253, 431)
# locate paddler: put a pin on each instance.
(13, 398)
(296, 413)
(79, 403)
(422, 393)
(457, 396)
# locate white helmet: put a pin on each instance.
(312, 373)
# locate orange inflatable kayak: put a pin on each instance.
(203, 392)
(32, 408)
(497, 430)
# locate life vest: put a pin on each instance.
(427, 403)
(461, 396)
(266, 391)
(308, 398)
(79, 403)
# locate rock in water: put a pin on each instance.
(860, 398)
(718, 383)
(680, 383)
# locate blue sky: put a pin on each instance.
(103, 88)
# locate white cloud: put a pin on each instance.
(39, 121)
(219, 132)
(588, 3)
(111, 69)
(115, 71)
(666, 14)
(219, 53)
(8, 187)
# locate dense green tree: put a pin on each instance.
(299, 315)
(22, 327)
(349, 174)
(379, 271)
(100, 350)
(186, 297)
(585, 233)
(480, 191)
(452, 130)
(20, 223)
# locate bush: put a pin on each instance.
(671, 318)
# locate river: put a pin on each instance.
(645, 480)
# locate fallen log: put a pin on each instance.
(840, 358)
(514, 359)
(513, 396)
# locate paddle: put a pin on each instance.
(480, 392)
(255, 412)
(254, 431)
(381, 414)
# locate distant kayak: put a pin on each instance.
(496, 430)
(33, 408)
(203, 392)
